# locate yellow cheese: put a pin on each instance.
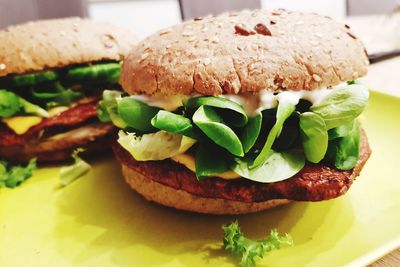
(189, 162)
(21, 124)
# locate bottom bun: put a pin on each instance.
(182, 200)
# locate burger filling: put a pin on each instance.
(26, 100)
(264, 137)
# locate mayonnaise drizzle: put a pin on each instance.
(251, 102)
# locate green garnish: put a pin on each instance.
(71, 173)
(9, 103)
(249, 250)
(12, 176)
(270, 146)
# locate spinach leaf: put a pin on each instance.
(278, 167)
(137, 114)
(341, 131)
(61, 96)
(344, 152)
(104, 72)
(251, 131)
(108, 109)
(29, 79)
(173, 123)
(232, 112)
(286, 107)
(314, 135)
(209, 161)
(9, 103)
(213, 126)
(342, 105)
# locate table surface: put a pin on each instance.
(380, 33)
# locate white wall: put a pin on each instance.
(140, 16)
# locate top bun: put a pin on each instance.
(40, 45)
(245, 52)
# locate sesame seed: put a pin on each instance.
(316, 78)
(143, 57)
(215, 40)
(3, 66)
(206, 61)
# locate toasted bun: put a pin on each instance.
(173, 185)
(245, 52)
(41, 45)
(182, 200)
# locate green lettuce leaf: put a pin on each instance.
(154, 146)
(344, 151)
(278, 167)
(314, 135)
(71, 173)
(232, 113)
(212, 125)
(210, 161)
(342, 105)
(108, 108)
(9, 104)
(286, 106)
(12, 176)
(249, 250)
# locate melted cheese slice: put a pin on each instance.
(189, 162)
(21, 124)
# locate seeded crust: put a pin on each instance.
(245, 52)
(40, 45)
(172, 184)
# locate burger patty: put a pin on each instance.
(55, 138)
(71, 118)
(315, 182)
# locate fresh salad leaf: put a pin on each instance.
(154, 146)
(278, 167)
(71, 173)
(12, 176)
(249, 250)
(341, 131)
(314, 135)
(251, 132)
(209, 161)
(29, 79)
(344, 151)
(286, 106)
(173, 123)
(9, 103)
(101, 72)
(232, 113)
(213, 126)
(30, 108)
(108, 108)
(137, 114)
(60, 96)
(342, 105)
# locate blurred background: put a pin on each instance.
(146, 16)
(377, 23)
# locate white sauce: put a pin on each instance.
(251, 102)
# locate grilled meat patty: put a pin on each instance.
(315, 182)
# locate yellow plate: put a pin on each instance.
(99, 221)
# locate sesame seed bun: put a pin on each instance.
(245, 52)
(46, 44)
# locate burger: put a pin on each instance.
(52, 74)
(242, 112)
